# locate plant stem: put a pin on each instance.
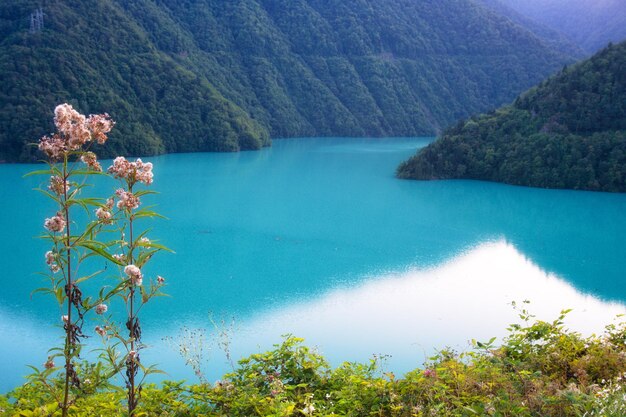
(68, 323)
(132, 400)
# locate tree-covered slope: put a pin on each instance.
(221, 75)
(553, 37)
(591, 24)
(94, 55)
(362, 67)
(569, 132)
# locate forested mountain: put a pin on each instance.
(591, 24)
(225, 75)
(569, 132)
(553, 37)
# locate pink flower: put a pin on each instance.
(128, 201)
(103, 215)
(144, 172)
(58, 186)
(100, 125)
(160, 279)
(430, 373)
(90, 159)
(56, 223)
(101, 308)
(119, 257)
(51, 261)
(102, 331)
(74, 130)
(137, 171)
(134, 273)
(54, 146)
(72, 125)
(49, 363)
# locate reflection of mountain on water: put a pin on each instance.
(408, 315)
(577, 235)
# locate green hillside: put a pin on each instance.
(94, 55)
(591, 24)
(210, 75)
(569, 132)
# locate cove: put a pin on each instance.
(316, 237)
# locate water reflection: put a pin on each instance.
(406, 314)
(409, 314)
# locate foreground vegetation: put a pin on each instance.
(569, 132)
(541, 369)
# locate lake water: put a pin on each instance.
(315, 237)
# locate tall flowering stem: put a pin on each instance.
(64, 149)
(136, 252)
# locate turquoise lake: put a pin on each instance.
(315, 237)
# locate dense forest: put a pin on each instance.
(215, 75)
(568, 132)
(591, 24)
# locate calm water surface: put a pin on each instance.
(315, 237)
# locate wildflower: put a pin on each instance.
(430, 373)
(132, 355)
(101, 308)
(110, 202)
(144, 240)
(308, 410)
(137, 171)
(89, 158)
(49, 363)
(128, 201)
(144, 172)
(134, 273)
(119, 257)
(58, 185)
(101, 331)
(53, 146)
(72, 125)
(56, 223)
(120, 168)
(65, 318)
(100, 125)
(160, 279)
(51, 261)
(103, 215)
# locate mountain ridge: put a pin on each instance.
(567, 132)
(225, 76)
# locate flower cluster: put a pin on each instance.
(101, 308)
(104, 213)
(58, 185)
(133, 172)
(134, 273)
(120, 257)
(51, 261)
(102, 331)
(56, 223)
(100, 125)
(90, 159)
(128, 201)
(74, 130)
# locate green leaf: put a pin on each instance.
(99, 250)
(38, 172)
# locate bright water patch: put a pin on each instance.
(319, 231)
